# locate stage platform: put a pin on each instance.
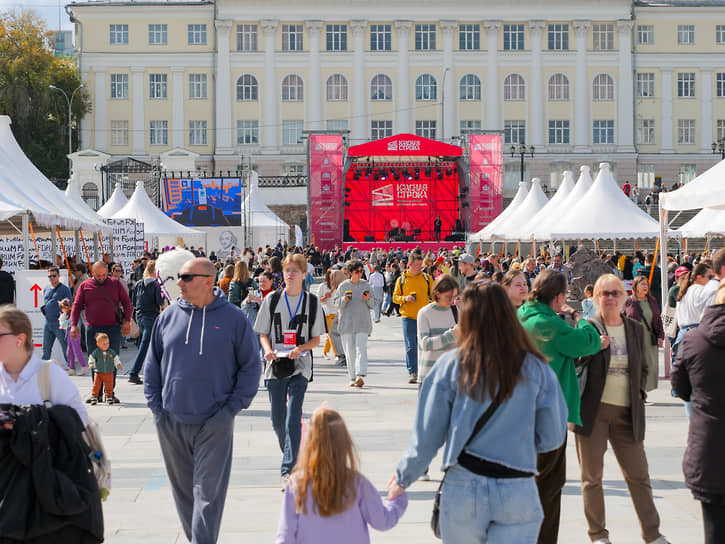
(387, 246)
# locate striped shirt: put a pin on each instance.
(435, 336)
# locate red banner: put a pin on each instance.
(486, 177)
(326, 190)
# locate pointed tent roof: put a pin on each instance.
(535, 200)
(155, 222)
(402, 145)
(117, 201)
(706, 190)
(525, 232)
(73, 194)
(708, 221)
(484, 235)
(254, 205)
(583, 184)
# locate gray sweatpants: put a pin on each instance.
(198, 460)
(335, 337)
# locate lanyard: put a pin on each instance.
(291, 315)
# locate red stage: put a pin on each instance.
(387, 246)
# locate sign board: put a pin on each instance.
(29, 286)
(326, 189)
(486, 179)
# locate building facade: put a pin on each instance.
(637, 85)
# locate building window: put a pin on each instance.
(558, 87)
(247, 88)
(292, 88)
(602, 132)
(645, 176)
(119, 86)
(158, 35)
(197, 132)
(292, 37)
(197, 86)
(89, 194)
(381, 88)
(559, 132)
(470, 87)
(470, 125)
(720, 129)
(469, 37)
(336, 124)
(686, 85)
(157, 86)
(197, 34)
(426, 87)
(645, 85)
(559, 37)
(292, 132)
(337, 37)
(720, 84)
(119, 132)
(603, 34)
(380, 129)
(247, 132)
(425, 37)
(119, 34)
(514, 87)
(688, 172)
(645, 34)
(514, 132)
(159, 133)
(645, 131)
(685, 34)
(719, 34)
(603, 87)
(426, 129)
(513, 37)
(246, 37)
(293, 169)
(381, 37)
(686, 131)
(336, 88)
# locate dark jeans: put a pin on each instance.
(51, 333)
(114, 337)
(410, 335)
(287, 416)
(146, 325)
(713, 518)
(550, 481)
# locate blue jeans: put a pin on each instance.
(287, 416)
(476, 509)
(387, 301)
(51, 332)
(114, 337)
(146, 324)
(250, 312)
(378, 298)
(410, 335)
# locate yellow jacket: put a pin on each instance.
(421, 285)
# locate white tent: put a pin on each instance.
(604, 212)
(8, 210)
(73, 194)
(707, 222)
(509, 228)
(484, 235)
(706, 190)
(542, 230)
(526, 231)
(117, 201)
(264, 225)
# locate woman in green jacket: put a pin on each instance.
(561, 343)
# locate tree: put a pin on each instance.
(39, 114)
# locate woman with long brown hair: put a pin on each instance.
(643, 307)
(496, 362)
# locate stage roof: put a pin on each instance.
(402, 145)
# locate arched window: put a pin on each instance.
(337, 88)
(603, 87)
(292, 88)
(558, 87)
(514, 87)
(89, 193)
(470, 87)
(426, 87)
(247, 89)
(381, 88)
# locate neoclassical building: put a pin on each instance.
(640, 85)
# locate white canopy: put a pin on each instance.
(707, 222)
(706, 190)
(73, 194)
(155, 222)
(542, 231)
(484, 235)
(509, 228)
(266, 227)
(8, 210)
(550, 210)
(117, 201)
(604, 212)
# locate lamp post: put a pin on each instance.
(719, 147)
(522, 150)
(69, 101)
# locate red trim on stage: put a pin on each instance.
(405, 145)
(387, 246)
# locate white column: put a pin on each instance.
(99, 110)
(581, 88)
(448, 85)
(271, 96)
(536, 87)
(625, 98)
(493, 108)
(403, 106)
(139, 122)
(223, 122)
(177, 106)
(314, 95)
(706, 138)
(666, 131)
(359, 86)
(86, 121)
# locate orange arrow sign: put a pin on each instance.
(35, 288)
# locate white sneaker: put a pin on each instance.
(659, 540)
(71, 372)
(82, 371)
(602, 541)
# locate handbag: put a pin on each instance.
(42, 308)
(435, 517)
(669, 320)
(283, 367)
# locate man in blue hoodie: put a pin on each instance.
(201, 371)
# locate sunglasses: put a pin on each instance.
(52, 275)
(613, 294)
(186, 278)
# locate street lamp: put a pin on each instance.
(69, 101)
(522, 150)
(719, 147)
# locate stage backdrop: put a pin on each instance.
(486, 179)
(326, 190)
(209, 202)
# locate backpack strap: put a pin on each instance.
(44, 382)
(454, 311)
(276, 318)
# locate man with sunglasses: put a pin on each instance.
(202, 369)
(52, 295)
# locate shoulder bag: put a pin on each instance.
(118, 311)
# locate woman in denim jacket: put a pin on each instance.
(489, 493)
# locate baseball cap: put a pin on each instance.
(681, 270)
(466, 258)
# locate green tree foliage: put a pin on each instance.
(39, 114)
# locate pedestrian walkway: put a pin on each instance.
(380, 417)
